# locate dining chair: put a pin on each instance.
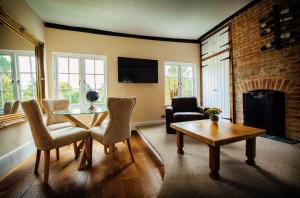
(118, 128)
(7, 107)
(15, 106)
(55, 122)
(46, 141)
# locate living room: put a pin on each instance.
(198, 58)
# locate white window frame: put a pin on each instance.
(15, 69)
(179, 64)
(82, 90)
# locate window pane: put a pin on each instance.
(74, 66)
(171, 71)
(99, 66)
(5, 64)
(99, 81)
(33, 66)
(64, 93)
(101, 99)
(26, 81)
(90, 82)
(24, 63)
(8, 96)
(89, 66)
(6, 79)
(74, 81)
(74, 97)
(27, 94)
(62, 65)
(171, 89)
(63, 80)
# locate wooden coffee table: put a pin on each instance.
(216, 135)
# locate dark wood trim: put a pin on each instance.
(231, 71)
(109, 33)
(216, 54)
(222, 23)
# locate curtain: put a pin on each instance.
(39, 57)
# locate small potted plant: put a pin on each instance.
(214, 114)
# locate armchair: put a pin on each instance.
(183, 109)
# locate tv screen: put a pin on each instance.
(134, 70)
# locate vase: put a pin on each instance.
(91, 97)
(214, 119)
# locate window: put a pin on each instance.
(180, 80)
(77, 74)
(18, 76)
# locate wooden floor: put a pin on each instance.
(140, 179)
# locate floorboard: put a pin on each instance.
(140, 179)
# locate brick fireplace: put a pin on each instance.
(270, 69)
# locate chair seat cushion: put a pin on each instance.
(98, 132)
(57, 126)
(187, 116)
(62, 137)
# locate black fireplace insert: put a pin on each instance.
(265, 109)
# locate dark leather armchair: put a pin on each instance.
(183, 109)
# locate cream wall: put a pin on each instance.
(24, 15)
(15, 136)
(150, 97)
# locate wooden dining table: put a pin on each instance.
(98, 116)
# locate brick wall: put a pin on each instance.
(270, 69)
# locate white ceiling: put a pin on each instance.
(182, 19)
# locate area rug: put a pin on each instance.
(276, 174)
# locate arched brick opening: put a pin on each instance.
(292, 99)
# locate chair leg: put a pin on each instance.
(57, 153)
(105, 149)
(130, 150)
(91, 148)
(110, 159)
(37, 161)
(46, 166)
(75, 150)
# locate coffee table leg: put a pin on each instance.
(214, 161)
(179, 142)
(250, 151)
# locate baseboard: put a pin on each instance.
(10, 160)
(145, 123)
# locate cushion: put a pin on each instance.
(184, 104)
(57, 126)
(187, 116)
(98, 132)
(62, 137)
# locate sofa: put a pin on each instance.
(183, 109)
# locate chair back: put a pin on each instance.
(15, 106)
(7, 107)
(184, 104)
(120, 111)
(41, 137)
(52, 105)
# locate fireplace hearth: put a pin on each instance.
(265, 109)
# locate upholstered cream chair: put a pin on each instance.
(55, 122)
(15, 106)
(45, 141)
(118, 127)
(7, 107)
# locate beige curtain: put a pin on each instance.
(39, 57)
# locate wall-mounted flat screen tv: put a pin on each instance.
(135, 70)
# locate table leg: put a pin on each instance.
(94, 119)
(179, 142)
(100, 119)
(76, 121)
(250, 151)
(86, 159)
(214, 161)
